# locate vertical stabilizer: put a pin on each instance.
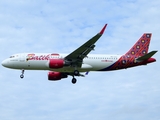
(141, 46)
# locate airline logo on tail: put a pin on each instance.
(137, 55)
(141, 46)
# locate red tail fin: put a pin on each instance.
(141, 46)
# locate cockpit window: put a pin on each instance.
(12, 56)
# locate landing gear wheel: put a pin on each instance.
(76, 72)
(22, 76)
(74, 80)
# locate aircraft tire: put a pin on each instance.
(76, 72)
(74, 80)
(21, 76)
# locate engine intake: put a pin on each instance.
(56, 63)
(54, 76)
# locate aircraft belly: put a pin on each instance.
(89, 65)
(30, 65)
(99, 64)
(38, 65)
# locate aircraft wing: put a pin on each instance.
(77, 56)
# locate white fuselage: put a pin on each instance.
(40, 61)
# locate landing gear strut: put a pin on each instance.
(22, 75)
(75, 73)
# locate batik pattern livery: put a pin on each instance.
(129, 59)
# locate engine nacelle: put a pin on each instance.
(56, 63)
(54, 76)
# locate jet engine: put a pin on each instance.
(54, 76)
(56, 63)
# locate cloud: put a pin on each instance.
(62, 26)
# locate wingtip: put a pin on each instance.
(103, 29)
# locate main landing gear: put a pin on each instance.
(75, 73)
(22, 75)
(74, 80)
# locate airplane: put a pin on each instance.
(61, 66)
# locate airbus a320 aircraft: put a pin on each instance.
(78, 61)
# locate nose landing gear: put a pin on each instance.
(22, 75)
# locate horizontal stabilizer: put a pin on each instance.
(146, 56)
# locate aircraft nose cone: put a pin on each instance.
(4, 63)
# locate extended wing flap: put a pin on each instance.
(146, 56)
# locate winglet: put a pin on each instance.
(103, 29)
